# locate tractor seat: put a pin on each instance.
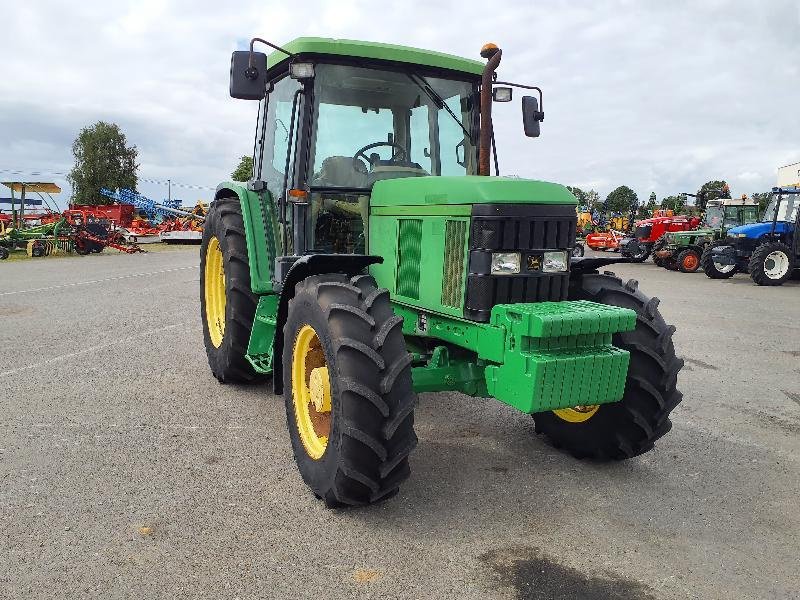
(341, 171)
(387, 169)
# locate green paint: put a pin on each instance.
(559, 354)
(259, 350)
(377, 51)
(444, 373)
(420, 281)
(261, 233)
(470, 189)
(454, 210)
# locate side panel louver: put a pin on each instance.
(409, 248)
(453, 268)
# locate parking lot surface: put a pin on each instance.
(126, 470)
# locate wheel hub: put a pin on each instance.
(577, 414)
(215, 292)
(311, 392)
(776, 264)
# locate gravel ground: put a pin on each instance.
(127, 471)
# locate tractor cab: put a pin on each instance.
(331, 126)
(726, 214)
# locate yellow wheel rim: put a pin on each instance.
(577, 414)
(215, 292)
(311, 392)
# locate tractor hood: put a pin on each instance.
(433, 191)
(756, 230)
(680, 235)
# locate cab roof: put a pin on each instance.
(378, 51)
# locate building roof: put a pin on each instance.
(33, 186)
(375, 50)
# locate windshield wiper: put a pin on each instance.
(437, 100)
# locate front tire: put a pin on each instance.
(771, 264)
(631, 426)
(348, 390)
(227, 304)
(641, 255)
(688, 261)
(712, 269)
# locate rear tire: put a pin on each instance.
(578, 250)
(370, 419)
(712, 269)
(771, 264)
(631, 426)
(4, 253)
(227, 334)
(688, 261)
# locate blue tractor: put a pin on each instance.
(769, 250)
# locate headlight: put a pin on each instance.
(741, 235)
(505, 263)
(554, 262)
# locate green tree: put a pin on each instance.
(763, 199)
(623, 200)
(710, 190)
(103, 159)
(579, 194)
(675, 203)
(245, 169)
(646, 210)
(593, 200)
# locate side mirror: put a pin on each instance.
(248, 83)
(531, 116)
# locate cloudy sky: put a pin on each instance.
(660, 96)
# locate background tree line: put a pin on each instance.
(625, 201)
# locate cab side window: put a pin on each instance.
(277, 137)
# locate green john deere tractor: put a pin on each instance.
(372, 256)
(682, 250)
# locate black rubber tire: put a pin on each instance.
(639, 257)
(710, 269)
(631, 426)
(4, 253)
(372, 397)
(81, 248)
(37, 250)
(228, 363)
(757, 265)
(682, 255)
(578, 250)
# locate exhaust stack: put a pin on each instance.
(493, 54)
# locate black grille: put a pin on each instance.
(643, 232)
(528, 229)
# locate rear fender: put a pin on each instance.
(260, 231)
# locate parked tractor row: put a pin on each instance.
(681, 250)
(769, 249)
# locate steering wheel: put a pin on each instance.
(398, 155)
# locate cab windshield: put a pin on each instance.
(786, 212)
(372, 124)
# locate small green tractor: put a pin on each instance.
(372, 256)
(682, 250)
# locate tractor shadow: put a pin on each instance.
(479, 464)
(481, 471)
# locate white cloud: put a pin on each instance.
(658, 96)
